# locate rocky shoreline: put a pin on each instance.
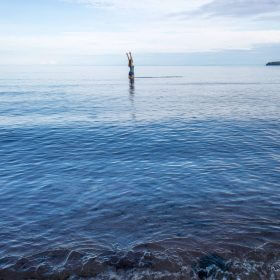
(274, 63)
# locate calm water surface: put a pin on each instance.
(167, 178)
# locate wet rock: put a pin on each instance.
(166, 265)
(209, 265)
(92, 268)
(129, 261)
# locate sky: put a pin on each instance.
(158, 32)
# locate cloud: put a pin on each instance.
(235, 8)
(148, 6)
(144, 27)
(94, 3)
(184, 40)
(270, 17)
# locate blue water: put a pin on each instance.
(97, 172)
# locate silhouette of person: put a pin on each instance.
(131, 66)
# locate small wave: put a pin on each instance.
(144, 262)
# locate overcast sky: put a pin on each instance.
(179, 32)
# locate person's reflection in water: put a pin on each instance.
(131, 98)
(131, 87)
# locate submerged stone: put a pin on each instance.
(209, 265)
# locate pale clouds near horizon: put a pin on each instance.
(147, 5)
(151, 26)
(237, 8)
(240, 8)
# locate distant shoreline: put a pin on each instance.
(274, 63)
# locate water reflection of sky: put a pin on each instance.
(91, 96)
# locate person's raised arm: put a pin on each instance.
(127, 56)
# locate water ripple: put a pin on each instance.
(164, 179)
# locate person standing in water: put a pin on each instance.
(131, 66)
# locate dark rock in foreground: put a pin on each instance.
(275, 63)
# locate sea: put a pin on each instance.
(174, 176)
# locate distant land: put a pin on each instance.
(275, 63)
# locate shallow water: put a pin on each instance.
(172, 177)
